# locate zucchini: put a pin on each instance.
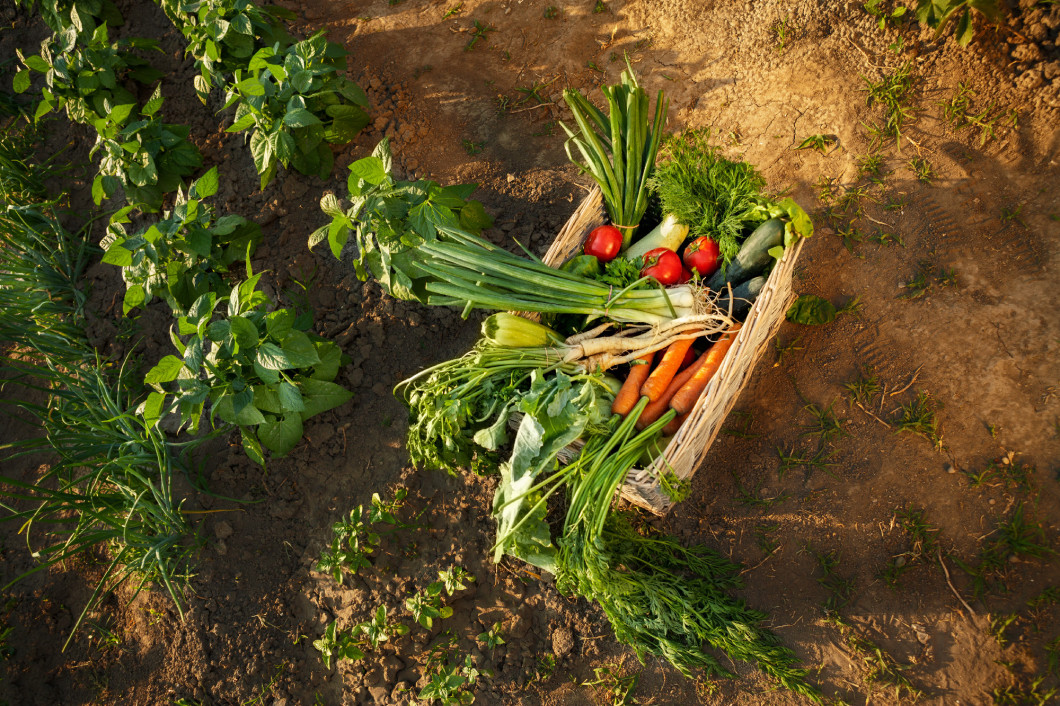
(753, 256)
(742, 297)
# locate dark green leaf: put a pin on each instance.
(272, 357)
(320, 396)
(811, 310)
(244, 332)
(206, 185)
(299, 350)
(282, 436)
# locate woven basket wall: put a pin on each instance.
(689, 446)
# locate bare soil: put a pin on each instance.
(983, 341)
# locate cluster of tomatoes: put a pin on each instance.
(701, 256)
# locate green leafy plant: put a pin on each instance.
(921, 168)
(387, 215)
(86, 77)
(147, 158)
(958, 112)
(922, 545)
(262, 371)
(493, 638)
(479, 32)
(223, 35)
(355, 538)
(448, 683)
(296, 103)
(920, 417)
(884, 17)
(821, 143)
(83, 16)
(426, 605)
(892, 93)
(617, 688)
(840, 589)
(181, 257)
(338, 645)
(937, 14)
(455, 579)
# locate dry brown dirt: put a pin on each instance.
(983, 342)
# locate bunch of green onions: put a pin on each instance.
(462, 269)
(618, 149)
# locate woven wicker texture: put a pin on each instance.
(688, 449)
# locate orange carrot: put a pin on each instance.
(655, 409)
(686, 397)
(627, 397)
(664, 372)
(675, 424)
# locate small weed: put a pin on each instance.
(504, 104)
(881, 667)
(593, 66)
(871, 165)
(821, 143)
(1016, 536)
(865, 388)
(827, 426)
(472, 148)
(426, 605)
(552, 12)
(896, 204)
(746, 419)
(1052, 652)
(851, 236)
(1012, 213)
(999, 624)
(546, 667)
(957, 111)
(1016, 695)
(266, 690)
(674, 487)
(808, 461)
(853, 306)
(884, 238)
(355, 538)
(892, 93)
(921, 282)
(923, 545)
(448, 682)
(618, 689)
(534, 92)
(5, 648)
(1004, 472)
(921, 417)
(783, 349)
(494, 637)
(765, 540)
(825, 189)
(921, 168)
(781, 29)
(840, 590)
(753, 497)
(599, 8)
(478, 31)
(453, 11)
(883, 17)
(455, 579)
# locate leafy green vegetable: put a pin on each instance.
(223, 35)
(147, 158)
(259, 370)
(622, 273)
(295, 103)
(937, 14)
(86, 76)
(82, 16)
(713, 196)
(811, 310)
(556, 410)
(389, 218)
(181, 257)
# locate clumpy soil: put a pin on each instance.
(950, 283)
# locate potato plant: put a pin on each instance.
(147, 158)
(262, 371)
(295, 103)
(85, 77)
(181, 257)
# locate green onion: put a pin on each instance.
(618, 151)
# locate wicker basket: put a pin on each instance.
(689, 446)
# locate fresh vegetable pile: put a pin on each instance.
(631, 331)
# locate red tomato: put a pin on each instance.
(703, 256)
(604, 243)
(686, 276)
(663, 264)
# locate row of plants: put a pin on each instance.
(290, 97)
(108, 483)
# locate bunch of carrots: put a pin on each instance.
(675, 383)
